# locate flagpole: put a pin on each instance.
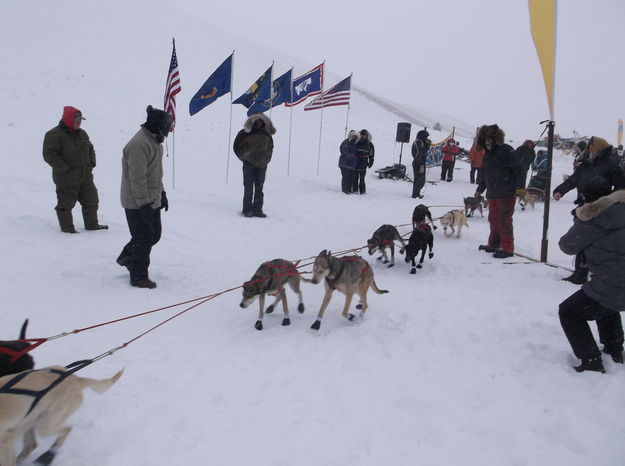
(320, 124)
(349, 104)
(271, 89)
(230, 128)
(288, 161)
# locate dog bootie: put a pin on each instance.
(592, 364)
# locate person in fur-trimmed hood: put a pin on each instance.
(254, 147)
(502, 177)
(599, 232)
(597, 161)
(348, 161)
(365, 153)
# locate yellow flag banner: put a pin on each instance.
(619, 134)
(543, 26)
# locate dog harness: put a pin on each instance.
(332, 281)
(37, 395)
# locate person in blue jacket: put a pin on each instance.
(348, 161)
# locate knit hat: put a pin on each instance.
(158, 123)
(423, 135)
(595, 188)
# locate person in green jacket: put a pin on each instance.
(68, 150)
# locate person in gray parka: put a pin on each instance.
(142, 194)
(599, 232)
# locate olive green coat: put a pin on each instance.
(70, 154)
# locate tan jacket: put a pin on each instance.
(142, 171)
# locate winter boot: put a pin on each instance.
(591, 364)
(501, 254)
(97, 226)
(578, 277)
(144, 283)
(486, 247)
(617, 355)
(66, 221)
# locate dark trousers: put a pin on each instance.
(359, 182)
(144, 234)
(575, 312)
(500, 212)
(419, 179)
(253, 181)
(347, 179)
(447, 170)
(67, 196)
(472, 174)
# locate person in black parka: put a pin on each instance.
(597, 161)
(348, 161)
(254, 147)
(420, 148)
(599, 232)
(365, 153)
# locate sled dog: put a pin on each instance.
(420, 239)
(270, 278)
(24, 415)
(472, 204)
(385, 237)
(350, 275)
(452, 220)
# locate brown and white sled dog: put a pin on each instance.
(270, 278)
(526, 199)
(452, 220)
(24, 415)
(383, 238)
(350, 275)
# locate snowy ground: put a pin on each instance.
(464, 363)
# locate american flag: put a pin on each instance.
(337, 95)
(172, 87)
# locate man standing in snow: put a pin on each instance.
(599, 232)
(420, 148)
(68, 150)
(503, 175)
(142, 194)
(450, 151)
(348, 161)
(599, 161)
(365, 153)
(254, 147)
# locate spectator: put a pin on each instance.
(365, 153)
(598, 231)
(477, 157)
(143, 195)
(254, 147)
(450, 151)
(502, 177)
(420, 148)
(527, 155)
(68, 150)
(348, 161)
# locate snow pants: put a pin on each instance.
(575, 312)
(447, 170)
(500, 212)
(253, 181)
(144, 234)
(419, 179)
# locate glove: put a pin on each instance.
(147, 212)
(520, 192)
(370, 164)
(164, 201)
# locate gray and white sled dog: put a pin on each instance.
(383, 238)
(270, 278)
(350, 275)
(452, 220)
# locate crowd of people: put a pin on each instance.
(597, 237)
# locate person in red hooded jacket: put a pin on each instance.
(450, 151)
(68, 150)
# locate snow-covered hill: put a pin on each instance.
(464, 363)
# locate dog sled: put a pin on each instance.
(396, 171)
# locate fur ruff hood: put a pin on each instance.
(591, 210)
(492, 131)
(597, 145)
(249, 123)
(354, 135)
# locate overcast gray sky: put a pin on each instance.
(471, 59)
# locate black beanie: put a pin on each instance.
(158, 123)
(595, 188)
(423, 135)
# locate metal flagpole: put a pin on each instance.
(544, 245)
(320, 124)
(288, 162)
(271, 89)
(230, 129)
(173, 159)
(349, 104)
